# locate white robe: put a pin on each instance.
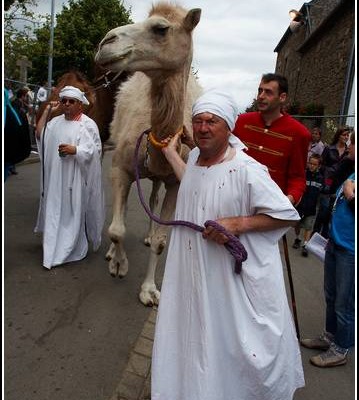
(222, 336)
(71, 210)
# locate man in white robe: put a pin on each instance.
(71, 211)
(221, 335)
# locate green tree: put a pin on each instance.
(253, 106)
(9, 3)
(79, 28)
(19, 21)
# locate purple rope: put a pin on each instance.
(234, 246)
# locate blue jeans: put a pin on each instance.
(7, 168)
(322, 220)
(339, 290)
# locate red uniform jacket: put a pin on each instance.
(283, 148)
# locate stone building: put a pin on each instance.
(317, 55)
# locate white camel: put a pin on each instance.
(158, 96)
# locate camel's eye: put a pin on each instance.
(160, 30)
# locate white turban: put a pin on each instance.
(73, 93)
(219, 103)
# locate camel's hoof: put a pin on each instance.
(118, 268)
(110, 252)
(150, 299)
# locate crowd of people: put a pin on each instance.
(25, 103)
(334, 163)
(220, 334)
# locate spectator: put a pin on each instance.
(345, 167)
(21, 102)
(17, 144)
(307, 208)
(41, 95)
(71, 208)
(274, 138)
(339, 283)
(220, 335)
(331, 157)
(316, 146)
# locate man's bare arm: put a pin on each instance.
(239, 225)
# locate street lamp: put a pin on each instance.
(51, 45)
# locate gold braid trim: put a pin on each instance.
(263, 149)
(268, 132)
(158, 144)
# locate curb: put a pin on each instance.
(135, 382)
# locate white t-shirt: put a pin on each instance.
(42, 94)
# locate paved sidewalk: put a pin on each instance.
(135, 382)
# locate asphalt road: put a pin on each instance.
(68, 332)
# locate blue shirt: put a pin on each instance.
(343, 222)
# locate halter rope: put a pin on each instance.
(234, 246)
(158, 144)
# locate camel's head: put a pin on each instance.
(163, 42)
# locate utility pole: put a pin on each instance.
(51, 46)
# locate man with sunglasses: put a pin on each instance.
(71, 211)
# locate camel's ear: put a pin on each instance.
(192, 18)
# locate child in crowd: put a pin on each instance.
(307, 207)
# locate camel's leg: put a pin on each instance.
(149, 294)
(156, 185)
(116, 255)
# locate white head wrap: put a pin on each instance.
(73, 93)
(216, 102)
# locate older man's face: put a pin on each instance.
(71, 107)
(210, 132)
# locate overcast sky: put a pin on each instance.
(233, 42)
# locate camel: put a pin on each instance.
(159, 96)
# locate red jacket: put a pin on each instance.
(283, 148)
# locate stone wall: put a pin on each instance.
(316, 63)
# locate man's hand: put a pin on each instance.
(349, 189)
(66, 149)
(291, 198)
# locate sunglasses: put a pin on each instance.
(71, 101)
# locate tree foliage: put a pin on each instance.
(16, 40)
(9, 3)
(79, 28)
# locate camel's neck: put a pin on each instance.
(167, 101)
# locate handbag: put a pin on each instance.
(317, 245)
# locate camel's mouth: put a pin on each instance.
(106, 60)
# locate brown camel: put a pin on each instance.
(158, 96)
(100, 95)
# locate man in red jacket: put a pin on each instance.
(274, 138)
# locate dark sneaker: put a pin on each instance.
(321, 342)
(330, 358)
(296, 244)
(304, 252)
